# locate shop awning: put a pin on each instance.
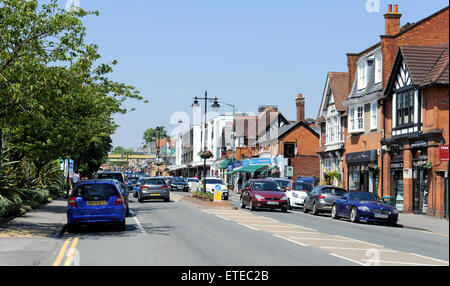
(224, 164)
(249, 169)
(268, 169)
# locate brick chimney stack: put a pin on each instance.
(392, 21)
(300, 103)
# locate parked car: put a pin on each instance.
(297, 193)
(214, 184)
(96, 201)
(364, 206)
(121, 179)
(321, 199)
(263, 194)
(193, 184)
(153, 188)
(179, 184)
(310, 180)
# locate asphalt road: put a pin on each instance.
(178, 233)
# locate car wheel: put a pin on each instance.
(354, 215)
(284, 209)
(121, 226)
(334, 212)
(305, 209)
(289, 207)
(251, 206)
(314, 210)
(242, 203)
(127, 212)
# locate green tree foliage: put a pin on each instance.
(56, 100)
(151, 134)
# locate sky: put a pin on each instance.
(245, 52)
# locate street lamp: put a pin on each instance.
(215, 106)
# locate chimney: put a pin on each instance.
(300, 103)
(392, 21)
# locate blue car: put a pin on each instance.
(137, 185)
(310, 180)
(363, 206)
(96, 201)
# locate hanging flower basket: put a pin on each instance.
(206, 154)
(424, 165)
(373, 168)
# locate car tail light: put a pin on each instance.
(165, 187)
(320, 197)
(119, 201)
(72, 202)
(144, 187)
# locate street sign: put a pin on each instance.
(443, 153)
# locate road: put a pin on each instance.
(179, 233)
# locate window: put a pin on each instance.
(362, 75)
(378, 68)
(373, 115)
(405, 107)
(357, 118)
(351, 117)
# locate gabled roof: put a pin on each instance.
(337, 82)
(426, 65)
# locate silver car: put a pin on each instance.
(153, 188)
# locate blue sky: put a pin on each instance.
(245, 52)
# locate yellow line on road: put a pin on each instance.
(61, 252)
(71, 251)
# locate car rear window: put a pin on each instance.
(333, 191)
(282, 184)
(152, 182)
(214, 181)
(299, 186)
(96, 191)
(193, 180)
(113, 176)
(133, 180)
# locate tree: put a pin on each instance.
(151, 134)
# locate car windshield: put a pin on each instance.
(133, 180)
(300, 186)
(282, 183)
(364, 197)
(154, 182)
(95, 191)
(334, 191)
(214, 181)
(193, 180)
(113, 176)
(178, 180)
(266, 186)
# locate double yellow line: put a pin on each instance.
(63, 251)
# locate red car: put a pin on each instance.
(263, 194)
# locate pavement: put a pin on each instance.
(50, 220)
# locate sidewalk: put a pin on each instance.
(47, 221)
(424, 222)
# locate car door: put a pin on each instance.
(310, 197)
(345, 206)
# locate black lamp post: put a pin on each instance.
(215, 106)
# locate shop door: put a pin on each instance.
(420, 191)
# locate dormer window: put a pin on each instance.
(378, 68)
(362, 75)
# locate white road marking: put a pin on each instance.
(362, 249)
(359, 241)
(248, 226)
(443, 261)
(312, 238)
(302, 244)
(138, 223)
(342, 257)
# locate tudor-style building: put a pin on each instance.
(417, 111)
(332, 120)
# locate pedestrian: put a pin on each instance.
(75, 179)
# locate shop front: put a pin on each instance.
(396, 171)
(363, 171)
(420, 180)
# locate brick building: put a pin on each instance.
(416, 120)
(365, 161)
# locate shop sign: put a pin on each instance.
(397, 165)
(361, 157)
(407, 173)
(262, 161)
(443, 153)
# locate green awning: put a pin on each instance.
(224, 164)
(249, 169)
(268, 169)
